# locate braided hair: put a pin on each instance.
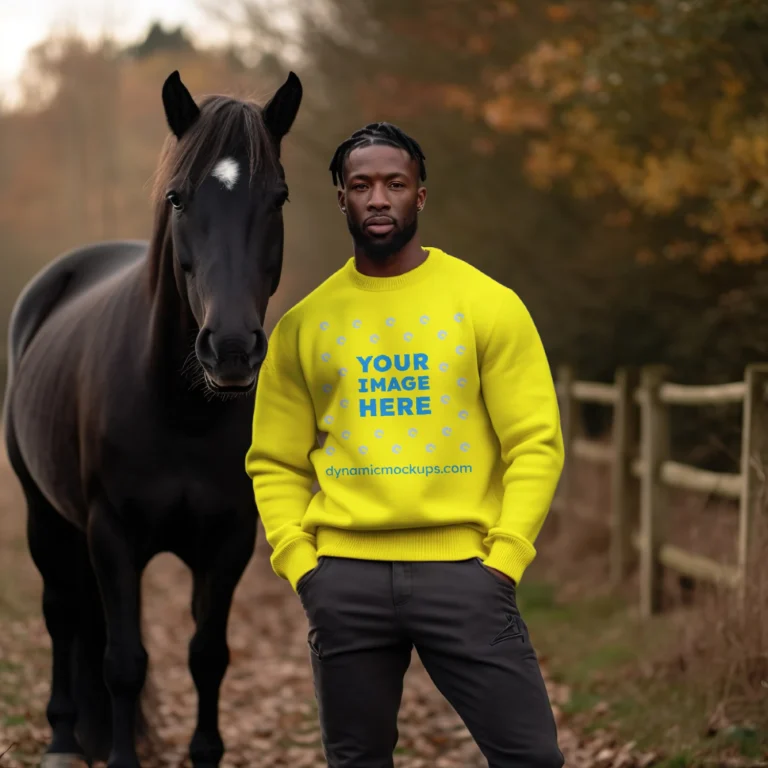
(376, 133)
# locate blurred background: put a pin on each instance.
(606, 160)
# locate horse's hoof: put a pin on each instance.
(63, 760)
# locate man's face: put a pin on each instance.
(381, 199)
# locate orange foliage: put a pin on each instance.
(514, 114)
(646, 11)
(479, 44)
(559, 13)
(459, 98)
(722, 164)
(706, 154)
(506, 9)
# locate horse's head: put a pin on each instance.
(224, 188)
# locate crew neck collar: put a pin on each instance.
(368, 283)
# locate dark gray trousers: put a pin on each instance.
(364, 619)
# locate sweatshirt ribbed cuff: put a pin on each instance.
(294, 560)
(511, 556)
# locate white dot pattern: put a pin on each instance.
(407, 336)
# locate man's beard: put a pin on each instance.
(380, 249)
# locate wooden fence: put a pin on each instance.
(642, 471)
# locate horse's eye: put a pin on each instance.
(282, 199)
(174, 199)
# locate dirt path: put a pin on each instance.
(267, 712)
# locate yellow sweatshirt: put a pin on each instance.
(424, 407)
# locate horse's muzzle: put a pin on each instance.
(231, 364)
(233, 383)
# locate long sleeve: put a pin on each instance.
(278, 463)
(522, 403)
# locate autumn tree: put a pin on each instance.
(664, 103)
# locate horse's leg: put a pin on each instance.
(59, 552)
(125, 663)
(214, 585)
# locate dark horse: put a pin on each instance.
(128, 416)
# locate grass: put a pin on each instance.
(621, 681)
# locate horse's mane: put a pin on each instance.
(224, 126)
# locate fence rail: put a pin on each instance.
(642, 471)
(681, 394)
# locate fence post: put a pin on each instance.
(654, 452)
(569, 415)
(624, 486)
(754, 463)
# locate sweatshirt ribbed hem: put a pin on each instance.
(510, 555)
(441, 543)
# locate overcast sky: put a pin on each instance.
(23, 23)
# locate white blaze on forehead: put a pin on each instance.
(227, 172)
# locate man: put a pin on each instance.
(416, 391)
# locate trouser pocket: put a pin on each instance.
(310, 575)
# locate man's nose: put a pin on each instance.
(378, 200)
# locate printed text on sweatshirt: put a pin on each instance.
(424, 407)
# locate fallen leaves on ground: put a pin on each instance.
(268, 715)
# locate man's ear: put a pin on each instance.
(342, 200)
(421, 199)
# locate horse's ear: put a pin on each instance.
(281, 110)
(180, 108)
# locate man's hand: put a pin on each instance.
(502, 575)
